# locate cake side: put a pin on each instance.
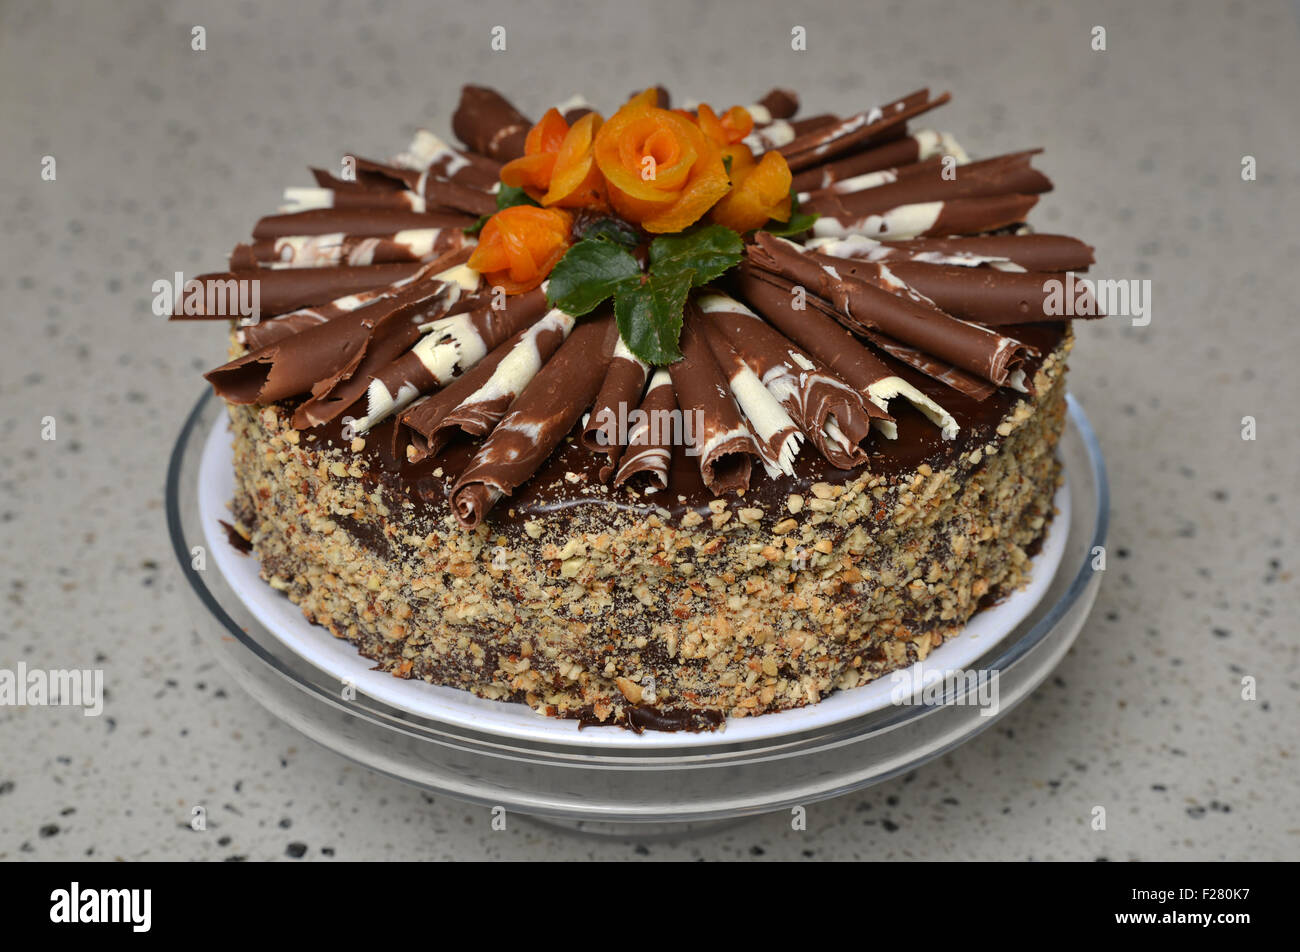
(630, 616)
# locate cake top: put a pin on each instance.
(665, 283)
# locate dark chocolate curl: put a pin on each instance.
(860, 295)
(540, 418)
(428, 153)
(487, 123)
(354, 221)
(973, 386)
(866, 128)
(288, 289)
(619, 395)
(364, 182)
(718, 434)
(780, 103)
(898, 154)
(651, 437)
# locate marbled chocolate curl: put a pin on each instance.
(354, 221)
(540, 418)
(862, 296)
(428, 153)
(973, 386)
(364, 182)
(488, 124)
(448, 348)
(930, 219)
(862, 130)
(290, 289)
(910, 149)
(333, 250)
(650, 439)
(317, 358)
(925, 182)
(1030, 252)
(720, 438)
(331, 397)
(989, 295)
(835, 417)
(824, 338)
(775, 433)
(265, 332)
(619, 394)
(420, 422)
(484, 408)
(301, 199)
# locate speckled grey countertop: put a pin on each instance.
(166, 155)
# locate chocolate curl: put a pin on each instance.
(483, 408)
(288, 290)
(574, 108)
(777, 104)
(463, 198)
(258, 335)
(864, 195)
(776, 435)
(298, 199)
(624, 384)
(330, 251)
(367, 222)
(992, 296)
(331, 397)
(834, 416)
(823, 338)
(942, 371)
(1009, 252)
(828, 200)
(916, 147)
(423, 416)
(865, 296)
(318, 358)
(371, 182)
(956, 217)
(719, 435)
(780, 132)
(540, 418)
(488, 124)
(428, 153)
(448, 348)
(1001, 294)
(650, 438)
(858, 131)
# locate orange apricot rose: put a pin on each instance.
(761, 192)
(576, 181)
(661, 171)
(533, 170)
(520, 245)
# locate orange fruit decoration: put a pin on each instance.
(761, 191)
(661, 171)
(520, 245)
(576, 181)
(730, 128)
(532, 171)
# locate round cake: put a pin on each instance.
(650, 420)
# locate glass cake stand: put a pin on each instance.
(605, 779)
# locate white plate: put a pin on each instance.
(340, 660)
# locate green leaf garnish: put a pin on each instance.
(649, 316)
(611, 229)
(705, 252)
(799, 222)
(588, 273)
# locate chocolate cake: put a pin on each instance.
(650, 420)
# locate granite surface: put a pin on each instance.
(165, 156)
